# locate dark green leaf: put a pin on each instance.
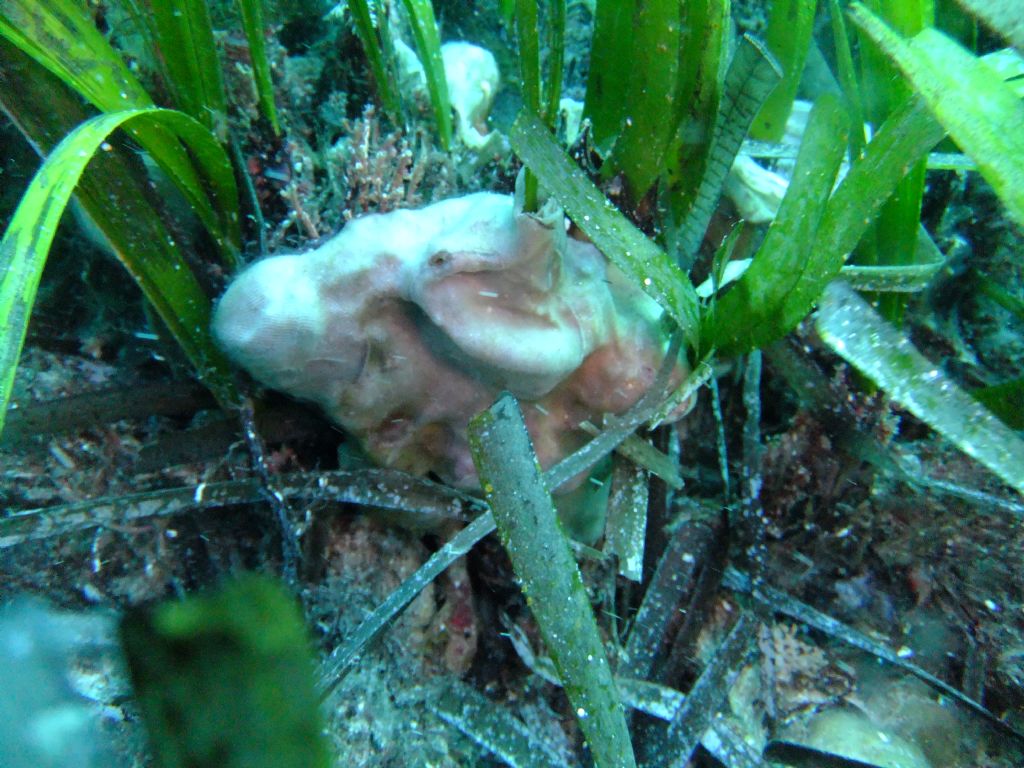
(753, 313)
(556, 61)
(650, 107)
(528, 37)
(161, 271)
(790, 25)
(892, 238)
(1005, 400)
(847, 76)
(540, 554)
(428, 46)
(608, 80)
(373, 46)
(252, 23)
(751, 77)
(707, 27)
(186, 50)
(896, 278)
(62, 37)
(906, 136)
(980, 112)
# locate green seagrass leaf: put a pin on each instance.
(857, 334)
(982, 113)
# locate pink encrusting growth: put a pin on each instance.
(406, 324)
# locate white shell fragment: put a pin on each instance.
(406, 324)
(756, 192)
(473, 80)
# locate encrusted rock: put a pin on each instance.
(407, 323)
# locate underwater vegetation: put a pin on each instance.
(504, 348)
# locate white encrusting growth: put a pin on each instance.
(407, 323)
(473, 81)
